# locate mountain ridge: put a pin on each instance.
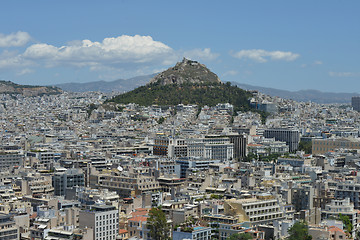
(130, 84)
(8, 87)
(119, 85)
(303, 95)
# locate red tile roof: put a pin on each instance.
(138, 219)
(336, 229)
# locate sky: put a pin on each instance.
(290, 45)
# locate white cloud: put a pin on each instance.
(24, 71)
(262, 56)
(318, 62)
(201, 54)
(344, 74)
(124, 56)
(14, 39)
(111, 51)
(10, 60)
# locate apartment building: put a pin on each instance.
(126, 185)
(103, 219)
(193, 163)
(68, 179)
(137, 228)
(226, 230)
(196, 233)
(44, 159)
(8, 228)
(348, 189)
(343, 207)
(258, 210)
(35, 184)
(9, 159)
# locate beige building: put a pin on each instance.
(126, 185)
(35, 184)
(260, 209)
(321, 146)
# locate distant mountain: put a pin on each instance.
(188, 82)
(8, 87)
(303, 95)
(120, 85)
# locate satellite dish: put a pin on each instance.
(120, 168)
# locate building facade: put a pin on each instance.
(8, 228)
(321, 146)
(355, 103)
(290, 136)
(103, 219)
(68, 179)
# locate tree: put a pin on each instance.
(240, 236)
(306, 146)
(161, 120)
(299, 231)
(157, 223)
(346, 221)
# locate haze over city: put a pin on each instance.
(289, 45)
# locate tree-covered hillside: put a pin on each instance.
(208, 94)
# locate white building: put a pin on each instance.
(343, 207)
(103, 219)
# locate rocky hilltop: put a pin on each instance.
(186, 71)
(7, 87)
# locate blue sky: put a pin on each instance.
(290, 45)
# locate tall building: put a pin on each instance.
(68, 179)
(290, 136)
(239, 141)
(103, 219)
(355, 103)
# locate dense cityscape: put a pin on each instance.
(72, 168)
(180, 120)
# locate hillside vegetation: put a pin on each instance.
(200, 94)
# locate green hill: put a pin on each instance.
(188, 82)
(202, 94)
